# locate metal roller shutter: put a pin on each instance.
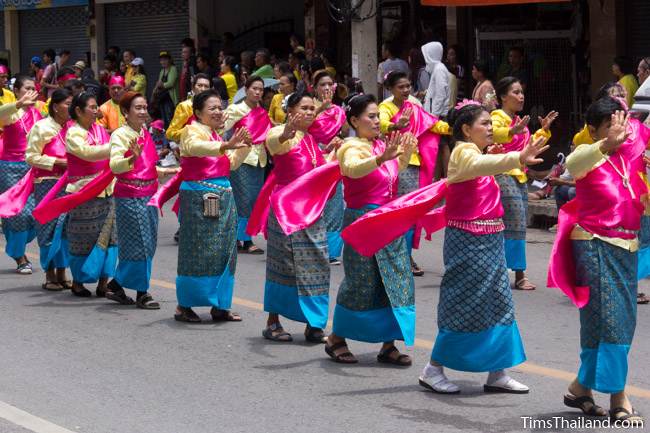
(637, 19)
(148, 27)
(2, 30)
(57, 28)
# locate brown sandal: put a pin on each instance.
(224, 315)
(401, 360)
(342, 358)
(52, 286)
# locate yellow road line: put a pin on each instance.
(527, 367)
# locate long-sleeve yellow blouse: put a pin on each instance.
(41, 134)
(235, 113)
(276, 147)
(276, 113)
(356, 159)
(388, 110)
(468, 162)
(182, 114)
(231, 85)
(76, 143)
(197, 141)
(501, 122)
(584, 159)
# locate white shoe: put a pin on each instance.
(439, 383)
(24, 269)
(506, 384)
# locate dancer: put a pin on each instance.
(207, 254)
(512, 133)
(248, 179)
(477, 330)
(594, 259)
(403, 112)
(17, 119)
(133, 160)
(46, 154)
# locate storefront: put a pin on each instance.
(148, 27)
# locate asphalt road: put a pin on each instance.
(89, 365)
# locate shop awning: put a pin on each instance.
(483, 2)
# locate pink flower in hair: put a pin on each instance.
(466, 102)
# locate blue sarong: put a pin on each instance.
(21, 229)
(409, 181)
(608, 321)
(514, 198)
(477, 330)
(376, 300)
(247, 181)
(137, 232)
(643, 270)
(92, 239)
(52, 237)
(207, 248)
(333, 219)
(298, 274)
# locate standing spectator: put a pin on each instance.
(228, 69)
(438, 94)
(112, 117)
(287, 86)
(391, 63)
(294, 42)
(48, 80)
(93, 86)
(113, 51)
(166, 91)
(188, 68)
(623, 70)
(138, 83)
(203, 66)
(127, 58)
(327, 56)
(247, 60)
(419, 74)
(282, 68)
(110, 69)
(78, 68)
(263, 64)
(484, 90)
(643, 70)
(454, 61)
(295, 60)
(6, 95)
(36, 67)
(64, 57)
(515, 67)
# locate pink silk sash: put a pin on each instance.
(15, 136)
(258, 124)
(258, 221)
(327, 124)
(562, 267)
(49, 210)
(300, 204)
(13, 201)
(518, 141)
(379, 227)
(144, 169)
(420, 125)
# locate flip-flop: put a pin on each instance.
(571, 400)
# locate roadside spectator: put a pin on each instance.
(139, 80)
(79, 67)
(127, 58)
(419, 74)
(623, 70)
(454, 61)
(110, 69)
(515, 66)
(166, 91)
(36, 70)
(484, 89)
(203, 66)
(188, 68)
(438, 94)
(391, 63)
(48, 80)
(262, 63)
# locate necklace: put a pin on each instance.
(312, 153)
(22, 123)
(624, 175)
(92, 137)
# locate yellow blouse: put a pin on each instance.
(76, 143)
(235, 113)
(274, 145)
(231, 85)
(356, 159)
(7, 96)
(501, 122)
(583, 137)
(41, 134)
(468, 162)
(196, 140)
(276, 113)
(181, 115)
(388, 110)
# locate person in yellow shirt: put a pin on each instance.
(509, 131)
(112, 117)
(623, 70)
(6, 95)
(228, 68)
(288, 85)
(399, 85)
(127, 57)
(138, 81)
(184, 112)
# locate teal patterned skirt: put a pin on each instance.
(376, 300)
(52, 237)
(207, 248)
(21, 229)
(608, 321)
(514, 198)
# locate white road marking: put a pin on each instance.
(27, 420)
